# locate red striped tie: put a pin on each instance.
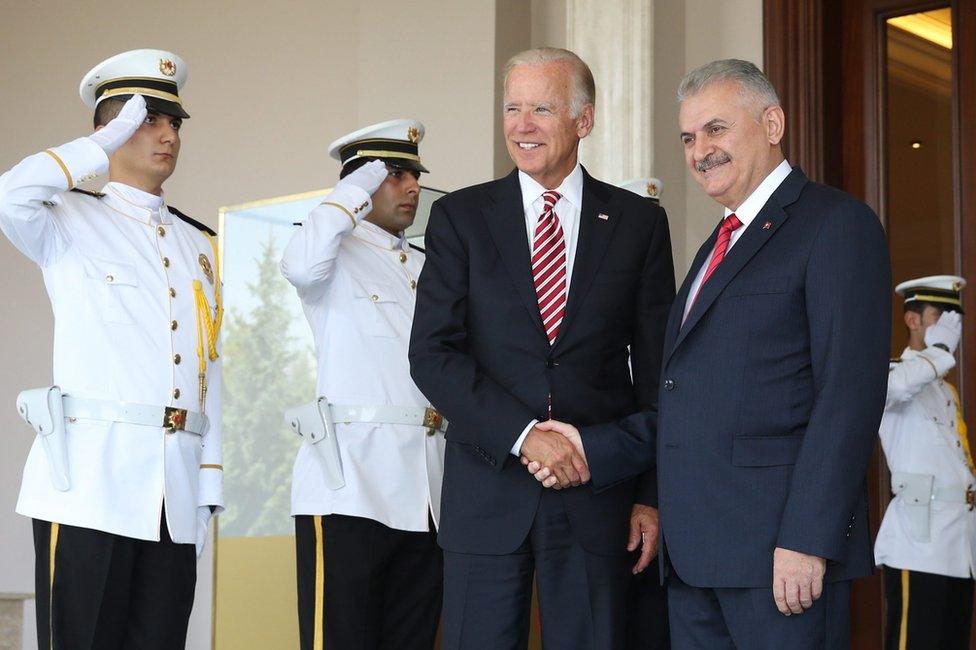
(730, 224)
(549, 266)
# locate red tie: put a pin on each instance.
(730, 224)
(549, 266)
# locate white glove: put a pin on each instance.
(203, 519)
(368, 178)
(947, 331)
(118, 131)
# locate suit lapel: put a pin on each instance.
(678, 310)
(597, 222)
(769, 220)
(506, 223)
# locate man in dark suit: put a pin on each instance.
(773, 386)
(537, 290)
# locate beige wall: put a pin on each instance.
(270, 85)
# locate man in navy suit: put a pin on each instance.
(537, 291)
(773, 386)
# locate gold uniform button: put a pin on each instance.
(172, 292)
(166, 262)
(403, 258)
(161, 231)
(176, 393)
(109, 278)
(174, 325)
(413, 284)
(177, 358)
(374, 297)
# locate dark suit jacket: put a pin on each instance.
(479, 353)
(772, 392)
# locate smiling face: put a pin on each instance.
(395, 202)
(149, 157)
(541, 133)
(731, 143)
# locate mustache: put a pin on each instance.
(711, 160)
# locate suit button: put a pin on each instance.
(669, 384)
(549, 363)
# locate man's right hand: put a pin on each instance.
(368, 178)
(554, 451)
(118, 131)
(947, 331)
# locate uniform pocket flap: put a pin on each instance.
(378, 292)
(765, 451)
(111, 272)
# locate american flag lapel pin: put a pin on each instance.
(605, 217)
(767, 225)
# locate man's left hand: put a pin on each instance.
(644, 531)
(797, 580)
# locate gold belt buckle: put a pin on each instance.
(174, 419)
(971, 497)
(432, 420)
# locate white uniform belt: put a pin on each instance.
(955, 494)
(382, 414)
(167, 417)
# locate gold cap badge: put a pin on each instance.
(167, 67)
(413, 134)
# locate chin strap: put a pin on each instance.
(208, 324)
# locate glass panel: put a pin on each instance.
(269, 366)
(919, 201)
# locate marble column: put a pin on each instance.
(615, 37)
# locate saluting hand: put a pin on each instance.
(368, 178)
(118, 131)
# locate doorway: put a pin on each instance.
(879, 96)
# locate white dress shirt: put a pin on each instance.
(568, 210)
(358, 291)
(746, 213)
(119, 272)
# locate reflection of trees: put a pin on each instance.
(264, 373)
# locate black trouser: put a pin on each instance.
(647, 610)
(365, 586)
(99, 591)
(727, 618)
(939, 610)
(582, 595)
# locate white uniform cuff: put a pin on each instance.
(77, 161)
(211, 488)
(942, 361)
(352, 200)
(517, 447)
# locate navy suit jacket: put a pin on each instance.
(772, 392)
(478, 351)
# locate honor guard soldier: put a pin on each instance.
(367, 479)
(126, 468)
(927, 540)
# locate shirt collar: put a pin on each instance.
(755, 202)
(373, 234)
(142, 206)
(571, 189)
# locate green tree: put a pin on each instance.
(265, 372)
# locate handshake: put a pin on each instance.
(553, 453)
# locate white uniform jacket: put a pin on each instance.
(918, 434)
(119, 271)
(357, 286)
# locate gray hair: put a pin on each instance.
(754, 86)
(583, 90)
